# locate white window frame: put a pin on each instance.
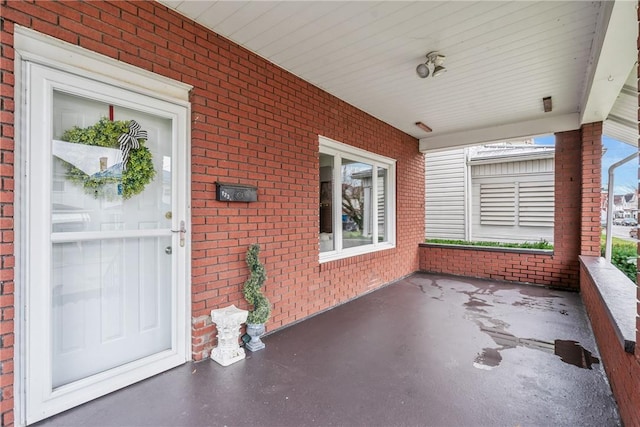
(339, 151)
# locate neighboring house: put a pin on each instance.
(625, 205)
(446, 197)
(499, 192)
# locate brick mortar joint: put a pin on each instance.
(204, 318)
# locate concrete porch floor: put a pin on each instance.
(428, 350)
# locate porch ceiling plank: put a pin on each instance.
(218, 12)
(622, 123)
(269, 26)
(300, 26)
(352, 36)
(502, 58)
(620, 132)
(251, 16)
(317, 33)
(192, 9)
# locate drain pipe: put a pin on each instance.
(609, 237)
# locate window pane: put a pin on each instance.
(382, 205)
(326, 203)
(357, 203)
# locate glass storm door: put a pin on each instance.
(106, 276)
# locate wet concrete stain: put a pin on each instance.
(535, 303)
(569, 352)
(474, 303)
(573, 353)
(421, 286)
(488, 359)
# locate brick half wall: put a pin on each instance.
(522, 266)
(622, 368)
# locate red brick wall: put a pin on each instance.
(622, 368)
(567, 223)
(7, 259)
(561, 268)
(591, 189)
(252, 123)
(497, 264)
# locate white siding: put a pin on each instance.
(536, 166)
(498, 203)
(536, 204)
(445, 194)
(513, 201)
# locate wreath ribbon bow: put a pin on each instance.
(129, 140)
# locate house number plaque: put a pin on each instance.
(236, 193)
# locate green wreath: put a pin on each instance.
(135, 176)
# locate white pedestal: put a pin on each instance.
(228, 321)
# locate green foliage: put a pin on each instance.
(542, 244)
(105, 133)
(253, 295)
(624, 255)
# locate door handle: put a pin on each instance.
(182, 231)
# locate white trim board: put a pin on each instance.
(46, 50)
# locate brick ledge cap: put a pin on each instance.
(618, 294)
(488, 248)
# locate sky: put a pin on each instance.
(625, 177)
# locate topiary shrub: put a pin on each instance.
(253, 295)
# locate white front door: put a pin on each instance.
(105, 269)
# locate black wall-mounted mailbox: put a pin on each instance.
(236, 193)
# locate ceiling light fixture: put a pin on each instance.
(423, 127)
(433, 65)
(546, 103)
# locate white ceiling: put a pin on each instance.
(502, 59)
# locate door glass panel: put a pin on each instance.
(356, 203)
(111, 296)
(91, 189)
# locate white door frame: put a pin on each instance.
(35, 53)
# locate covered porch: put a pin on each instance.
(260, 95)
(428, 349)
